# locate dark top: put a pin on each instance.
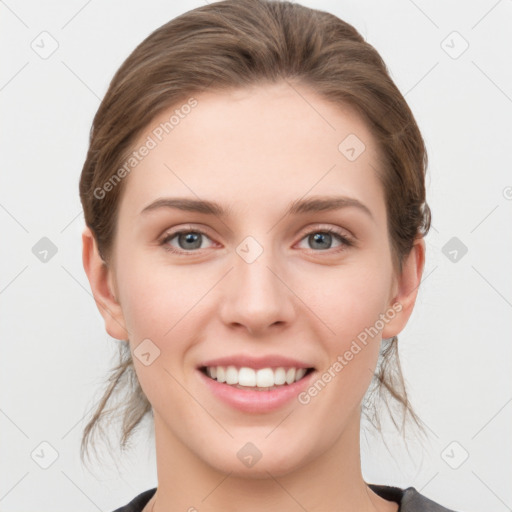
(410, 500)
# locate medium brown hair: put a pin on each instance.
(236, 44)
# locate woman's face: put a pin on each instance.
(255, 286)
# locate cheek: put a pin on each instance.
(350, 305)
(347, 300)
(156, 297)
(158, 305)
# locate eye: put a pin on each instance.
(320, 239)
(187, 240)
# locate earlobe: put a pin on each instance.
(407, 286)
(102, 284)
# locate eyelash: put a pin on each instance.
(346, 242)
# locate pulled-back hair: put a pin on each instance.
(236, 44)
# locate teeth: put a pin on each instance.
(249, 377)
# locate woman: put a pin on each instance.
(255, 207)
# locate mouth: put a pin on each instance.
(255, 391)
(256, 379)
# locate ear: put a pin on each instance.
(406, 289)
(102, 283)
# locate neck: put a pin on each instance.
(330, 481)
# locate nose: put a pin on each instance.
(256, 295)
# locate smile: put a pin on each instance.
(262, 379)
(254, 391)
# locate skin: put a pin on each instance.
(254, 151)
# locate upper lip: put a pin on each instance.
(270, 361)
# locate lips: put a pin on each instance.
(255, 384)
(256, 400)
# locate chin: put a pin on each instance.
(271, 460)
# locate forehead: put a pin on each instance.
(262, 146)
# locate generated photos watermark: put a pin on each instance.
(335, 368)
(157, 135)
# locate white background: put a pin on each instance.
(456, 350)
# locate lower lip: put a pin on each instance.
(256, 401)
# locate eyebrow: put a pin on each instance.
(299, 206)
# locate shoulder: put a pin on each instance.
(413, 501)
(138, 503)
(410, 500)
